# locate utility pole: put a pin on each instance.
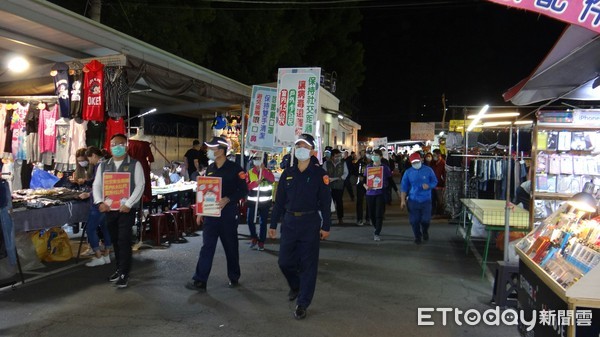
(95, 9)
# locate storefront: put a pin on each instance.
(559, 272)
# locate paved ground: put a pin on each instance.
(364, 288)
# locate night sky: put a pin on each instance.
(471, 51)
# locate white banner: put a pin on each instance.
(261, 120)
(422, 131)
(297, 104)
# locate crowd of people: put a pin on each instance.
(303, 200)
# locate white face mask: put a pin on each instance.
(83, 163)
(302, 153)
(257, 163)
(417, 165)
(210, 154)
(178, 170)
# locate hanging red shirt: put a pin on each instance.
(93, 83)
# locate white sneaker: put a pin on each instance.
(106, 259)
(360, 223)
(376, 238)
(96, 261)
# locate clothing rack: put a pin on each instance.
(54, 98)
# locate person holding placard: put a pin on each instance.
(377, 180)
(117, 190)
(224, 227)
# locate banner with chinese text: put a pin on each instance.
(208, 195)
(422, 131)
(261, 122)
(297, 104)
(116, 189)
(375, 177)
(577, 12)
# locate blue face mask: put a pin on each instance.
(376, 158)
(118, 150)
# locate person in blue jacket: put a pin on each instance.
(417, 183)
(303, 199)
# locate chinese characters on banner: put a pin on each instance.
(297, 103)
(375, 177)
(116, 189)
(379, 142)
(578, 12)
(261, 123)
(422, 131)
(208, 195)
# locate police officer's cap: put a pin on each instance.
(306, 138)
(217, 142)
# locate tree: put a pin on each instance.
(246, 42)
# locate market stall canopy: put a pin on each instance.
(570, 71)
(46, 34)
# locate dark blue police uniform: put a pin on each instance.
(304, 201)
(224, 227)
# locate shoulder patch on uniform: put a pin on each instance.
(242, 175)
(326, 179)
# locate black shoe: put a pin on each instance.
(122, 281)
(196, 285)
(114, 277)
(233, 284)
(293, 294)
(300, 312)
(425, 236)
(418, 241)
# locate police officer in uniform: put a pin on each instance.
(233, 189)
(303, 199)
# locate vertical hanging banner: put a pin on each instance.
(297, 103)
(584, 13)
(261, 121)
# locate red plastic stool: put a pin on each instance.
(158, 227)
(187, 220)
(174, 219)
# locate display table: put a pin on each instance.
(26, 219)
(491, 214)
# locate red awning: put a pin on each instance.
(568, 71)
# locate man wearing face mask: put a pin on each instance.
(121, 221)
(233, 188)
(260, 191)
(303, 199)
(337, 170)
(417, 183)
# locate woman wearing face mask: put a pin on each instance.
(175, 175)
(376, 197)
(428, 159)
(83, 172)
(417, 183)
(95, 218)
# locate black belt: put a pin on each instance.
(301, 213)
